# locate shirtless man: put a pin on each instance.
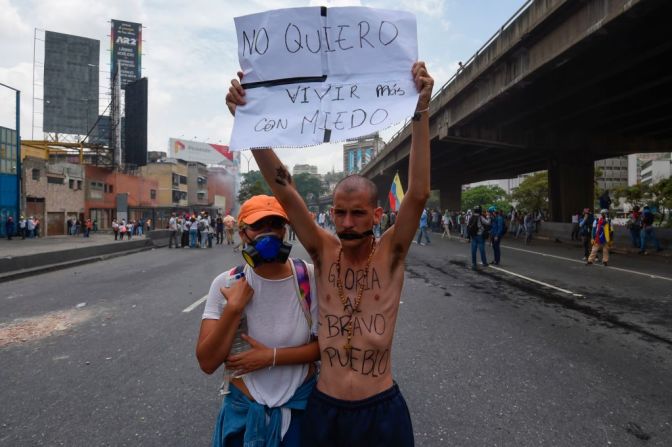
(359, 283)
(229, 224)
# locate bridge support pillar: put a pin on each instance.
(571, 185)
(450, 194)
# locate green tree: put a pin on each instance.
(310, 186)
(334, 177)
(253, 184)
(532, 193)
(663, 192)
(638, 194)
(485, 196)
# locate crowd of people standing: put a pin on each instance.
(595, 231)
(26, 227)
(80, 226)
(122, 228)
(519, 223)
(199, 230)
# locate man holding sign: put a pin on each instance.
(359, 283)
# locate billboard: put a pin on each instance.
(126, 51)
(135, 144)
(70, 83)
(202, 152)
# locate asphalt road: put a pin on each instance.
(483, 358)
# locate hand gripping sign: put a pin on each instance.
(315, 75)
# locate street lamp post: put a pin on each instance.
(18, 149)
(247, 158)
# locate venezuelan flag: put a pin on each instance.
(396, 194)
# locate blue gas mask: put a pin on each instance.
(266, 249)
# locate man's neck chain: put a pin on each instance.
(354, 308)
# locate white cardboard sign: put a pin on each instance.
(315, 75)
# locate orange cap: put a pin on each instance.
(258, 207)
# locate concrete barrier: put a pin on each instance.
(15, 263)
(159, 238)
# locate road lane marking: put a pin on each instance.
(544, 254)
(195, 304)
(527, 278)
(634, 272)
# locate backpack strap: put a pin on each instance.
(302, 285)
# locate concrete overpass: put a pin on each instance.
(563, 83)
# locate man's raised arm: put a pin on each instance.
(278, 178)
(418, 167)
(281, 183)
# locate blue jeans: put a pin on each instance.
(648, 233)
(423, 230)
(635, 234)
(292, 437)
(496, 240)
(478, 242)
(173, 238)
(245, 422)
(193, 234)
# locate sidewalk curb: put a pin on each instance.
(617, 250)
(614, 249)
(18, 274)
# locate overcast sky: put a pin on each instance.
(190, 56)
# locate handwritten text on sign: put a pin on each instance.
(313, 78)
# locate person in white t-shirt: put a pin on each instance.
(172, 226)
(275, 297)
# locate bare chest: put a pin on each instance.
(357, 318)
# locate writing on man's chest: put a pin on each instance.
(364, 350)
(354, 278)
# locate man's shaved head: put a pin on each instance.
(356, 182)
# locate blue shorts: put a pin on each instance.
(382, 420)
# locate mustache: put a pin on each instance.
(351, 235)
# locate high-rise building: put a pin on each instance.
(359, 152)
(9, 185)
(653, 171)
(636, 164)
(614, 173)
